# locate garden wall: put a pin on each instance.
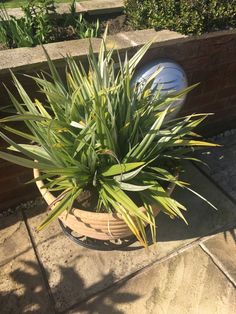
(209, 59)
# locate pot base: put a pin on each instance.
(100, 245)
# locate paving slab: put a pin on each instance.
(22, 288)
(187, 284)
(100, 6)
(223, 248)
(77, 273)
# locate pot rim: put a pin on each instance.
(49, 198)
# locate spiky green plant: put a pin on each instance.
(97, 131)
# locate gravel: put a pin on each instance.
(222, 161)
(23, 206)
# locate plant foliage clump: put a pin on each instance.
(100, 131)
(188, 17)
(41, 24)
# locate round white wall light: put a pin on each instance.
(171, 78)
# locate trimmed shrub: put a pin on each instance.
(185, 16)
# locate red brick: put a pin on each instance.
(227, 92)
(12, 170)
(25, 177)
(230, 67)
(219, 42)
(203, 74)
(17, 196)
(182, 51)
(223, 57)
(214, 83)
(8, 184)
(212, 107)
(203, 99)
(232, 100)
(198, 90)
(230, 79)
(196, 63)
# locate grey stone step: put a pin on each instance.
(91, 7)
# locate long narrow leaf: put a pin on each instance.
(121, 168)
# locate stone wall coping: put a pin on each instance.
(34, 57)
(27, 58)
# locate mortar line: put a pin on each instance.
(142, 270)
(137, 272)
(24, 251)
(41, 268)
(132, 42)
(218, 264)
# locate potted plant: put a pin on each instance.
(104, 153)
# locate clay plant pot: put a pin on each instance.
(100, 226)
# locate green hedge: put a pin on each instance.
(185, 16)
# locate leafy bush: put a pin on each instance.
(40, 24)
(14, 33)
(38, 18)
(99, 132)
(185, 16)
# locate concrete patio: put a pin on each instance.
(191, 270)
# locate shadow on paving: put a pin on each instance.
(200, 224)
(73, 285)
(231, 233)
(29, 301)
(31, 207)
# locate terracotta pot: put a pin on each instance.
(101, 226)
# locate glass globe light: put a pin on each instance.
(171, 78)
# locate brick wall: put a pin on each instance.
(13, 188)
(209, 59)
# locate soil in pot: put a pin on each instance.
(87, 200)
